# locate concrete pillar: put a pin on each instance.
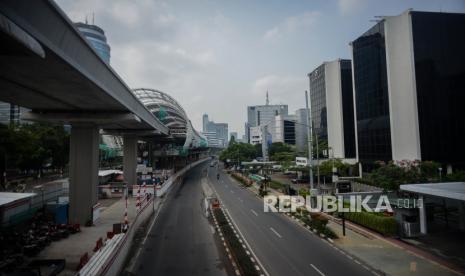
(462, 215)
(449, 169)
(83, 172)
(130, 159)
(422, 210)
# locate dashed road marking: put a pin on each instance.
(317, 270)
(275, 232)
(255, 213)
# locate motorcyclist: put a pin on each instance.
(218, 176)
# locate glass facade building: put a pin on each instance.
(318, 101)
(283, 129)
(10, 113)
(96, 36)
(370, 84)
(332, 105)
(348, 109)
(439, 53)
(262, 114)
(409, 80)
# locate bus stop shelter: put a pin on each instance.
(452, 191)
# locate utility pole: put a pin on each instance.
(317, 156)
(264, 131)
(309, 140)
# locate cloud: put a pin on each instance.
(351, 6)
(293, 24)
(282, 89)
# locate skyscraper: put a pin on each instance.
(333, 107)
(262, 114)
(409, 83)
(301, 117)
(96, 36)
(205, 122)
(216, 133)
(282, 129)
(10, 113)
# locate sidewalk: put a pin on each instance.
(73, 247)
(386, 254)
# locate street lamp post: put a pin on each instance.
(309, 140)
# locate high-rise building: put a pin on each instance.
(233, 134)
(10, 113)
(96, 36)
(262, 114)
(205, 122)
(333, 107)
(282, 129)
(246, 137)
(409, 83)
(213, 140)
(301, 125)
(256, 135)
(220, 130)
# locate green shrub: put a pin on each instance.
(277, 185)
(382, 224)
(304, 192)
(243, 260)
(319, 223)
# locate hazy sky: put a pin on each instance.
(218, 57)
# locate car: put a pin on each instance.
(212, 164)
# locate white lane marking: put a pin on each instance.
(276, 233)
(232, 192)
(255, 213)
(240, 233)
(317, 270)
(240, 199)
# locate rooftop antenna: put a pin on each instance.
(267, 98)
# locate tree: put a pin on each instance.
(238, 152)
(232, 140)
(326, 167)
(281, 152)
(393, 174)
(33, 147)
(283, 156)
(278, 147)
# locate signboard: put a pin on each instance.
(301, 161)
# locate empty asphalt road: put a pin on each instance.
(182, 242)
(282, 246)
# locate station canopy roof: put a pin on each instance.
(451, 190)
(9, 197)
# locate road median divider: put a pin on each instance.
(242, 261)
